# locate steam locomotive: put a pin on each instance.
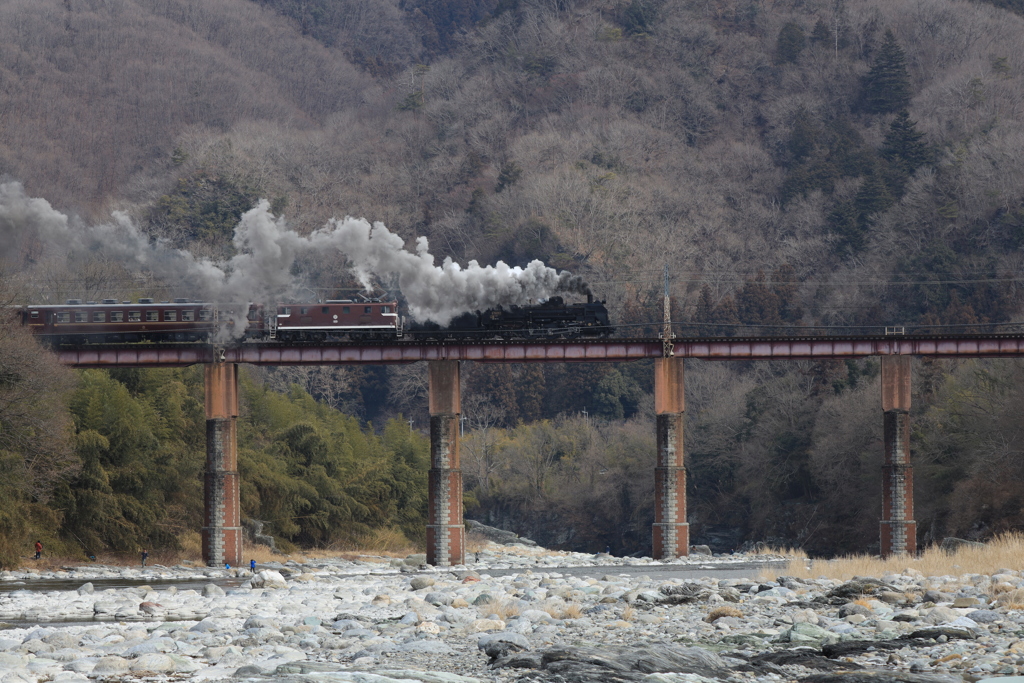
(184, 320)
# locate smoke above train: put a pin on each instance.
(267, 249)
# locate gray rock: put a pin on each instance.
(212, 590)
(623, 663)
(61, 639)
(700, 550)
(985, 616)
(155, 661)
(861, 585)
(483, 599)
(678, 594)
(110, 665)
(437, 598)
(498, 645)
(807, 634)
(416, 560)
(425, 676)
(207, 625)
(950, 633)
(268, 579)
(260, 622)
(303, 667)
(880, 676)
(420, 582)
(153, 645)
(432, 647)
(497, 535)
(86, 588)
(853, 608)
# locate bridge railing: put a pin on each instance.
(712, 330)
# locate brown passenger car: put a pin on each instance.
(112, 321)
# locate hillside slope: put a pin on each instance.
(793, 163)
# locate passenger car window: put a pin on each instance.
(152, 316)
(188, 316)
(35, 314)
(116, 316)
(99, 317)
(81, 317)
(170, 315)
(206, 314)
(134, 316)
(63, 317)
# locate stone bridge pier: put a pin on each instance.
(222, 533)
(898, 528)
(671, 531)
(446, 531)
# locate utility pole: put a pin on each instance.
(462, 425)
(668, 348)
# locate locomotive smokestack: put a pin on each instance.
(590, 297)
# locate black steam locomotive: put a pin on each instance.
(552, 318)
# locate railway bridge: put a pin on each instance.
(222, 532)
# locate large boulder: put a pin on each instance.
(497, 535)
(268, 578)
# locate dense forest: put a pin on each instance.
(792, 162)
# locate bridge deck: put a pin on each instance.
(552, 351)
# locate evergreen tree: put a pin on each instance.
(886, 87)
(705, 306)
(804, 136)
(842, 221)
(757, 303)
(821, 33)
(872, 198)
(790, 43)
(903, 146)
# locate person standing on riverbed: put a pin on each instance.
(145, 555)
(39, 549)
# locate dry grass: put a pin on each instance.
(1001, 552)
(503, 607)
(628, 613)
(795, 553)
(476, 542)
(722, 611)
(382, 544)
(573, 610)
(1013, 599)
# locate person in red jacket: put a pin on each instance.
(39, 549)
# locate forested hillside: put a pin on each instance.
(822, 162)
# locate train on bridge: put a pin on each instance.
(183, 320)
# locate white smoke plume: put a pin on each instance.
(267, 250)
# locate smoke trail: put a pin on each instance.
(261, 270)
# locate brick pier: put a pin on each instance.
(446, 531)
(898, 528)
(222, 533)
(671, 532)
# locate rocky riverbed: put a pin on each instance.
(380, 622)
